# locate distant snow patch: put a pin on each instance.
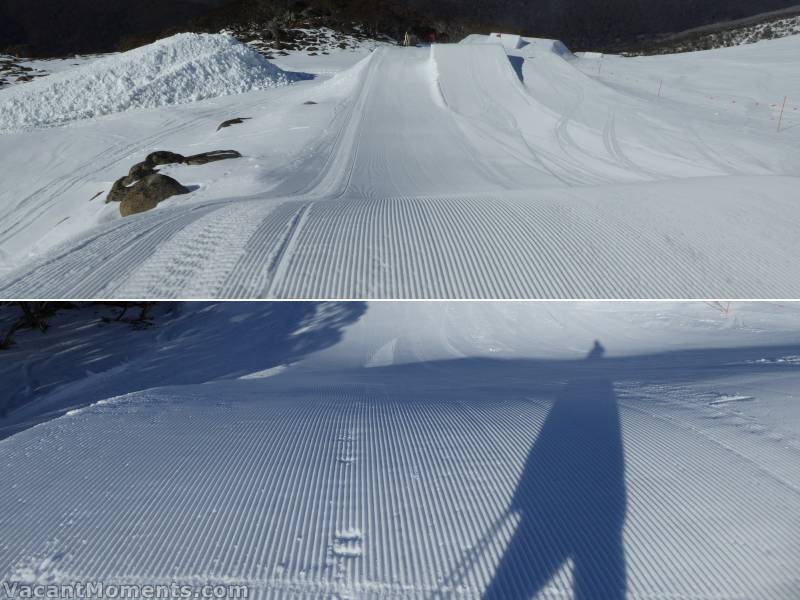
(183, 68)
(788, 360)
(728, 398)
(384, 356)
(271, 372)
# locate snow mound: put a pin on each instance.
(176, 70)
(515, 43)
(508, 40)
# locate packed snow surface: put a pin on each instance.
(454, 171)
(410, 450)
(176, 70)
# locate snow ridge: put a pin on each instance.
(184, 68)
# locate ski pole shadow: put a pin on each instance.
(570, 498)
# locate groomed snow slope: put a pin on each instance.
(559, 470)
(176, 70)
(452, 172)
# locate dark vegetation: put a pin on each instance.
(765, 26)
(51, 28)
(597, 24)
(36, 316)
(44, 28)
(48, 28)
(370, 17)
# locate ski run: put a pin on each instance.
(417, 450)
(473, 170)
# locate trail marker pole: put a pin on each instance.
(600, 65)
(660, 85)
(723, 307)
(783, 108)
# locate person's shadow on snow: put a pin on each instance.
(570, 498)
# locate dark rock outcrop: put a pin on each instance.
(137, 172)
(147, 193)
(163, 157)
(207, 157)
(236, 121)
(143, 188)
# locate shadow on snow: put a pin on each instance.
(570, 498)
(82, 359)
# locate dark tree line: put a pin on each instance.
(65, 27)
(584, 24)
(48, 28)
(379, 17)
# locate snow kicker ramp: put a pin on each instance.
(459, 479)
(446, 177)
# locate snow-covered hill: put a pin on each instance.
(414, 450)
(184, 68)
(754, 29)
(81, 358)
(454, 171)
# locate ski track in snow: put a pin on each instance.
(459, 247)
(474, 187)
(198, 259)
(433, 450)
(313, 488)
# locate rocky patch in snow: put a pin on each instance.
(230, 122)
(144, 187)
(16, 70)
(12, 72)
(311, 39)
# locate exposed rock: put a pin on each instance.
(12, 73)
(147, 193)
(207, 157)
(117, 193)
(143, 188)
(162, 157)
(236, 121)
(137, 172)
